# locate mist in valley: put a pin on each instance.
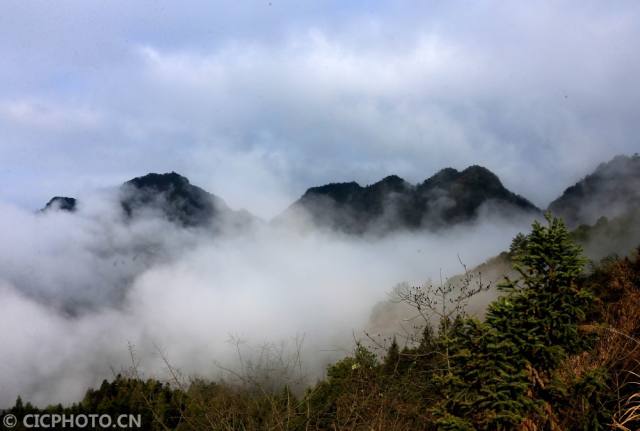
(78, 289)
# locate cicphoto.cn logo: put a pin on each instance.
(72, 421)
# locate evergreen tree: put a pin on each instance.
(501, 366)
(544, 307)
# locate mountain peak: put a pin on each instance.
(339, 192)
(391, 182)
(447, 172)
(172, 195)
(392, 179)
(478, 171)
(482, 177)
(613, 189)
(443, 176)
(474, 177)
(61, 203)
(160, 181)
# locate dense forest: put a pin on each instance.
(558, 350)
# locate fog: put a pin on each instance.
(77, 289)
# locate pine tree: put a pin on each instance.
(544, 307)
(500, 366)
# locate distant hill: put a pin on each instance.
(448, 197)
(171, 196)
(612, 190)
(61, 203)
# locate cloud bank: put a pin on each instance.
(77, 289)
(277, 97)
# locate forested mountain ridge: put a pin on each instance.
(612, 190)
(447, 198)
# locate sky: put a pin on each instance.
(256, 101)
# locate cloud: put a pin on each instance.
(538, 93)
(77, 289)
(52, 118)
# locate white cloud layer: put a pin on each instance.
(77, 289)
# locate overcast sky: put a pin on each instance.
(258, 100)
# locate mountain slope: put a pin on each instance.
(612, 190)
(448, 197)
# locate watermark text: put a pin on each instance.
(74, 421)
